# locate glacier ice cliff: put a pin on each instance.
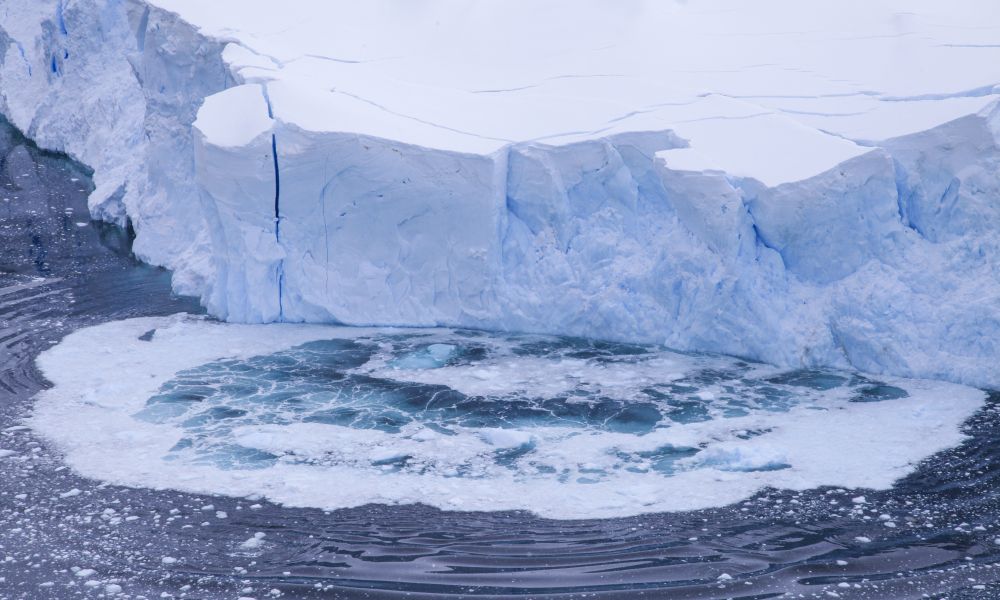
(800, 185)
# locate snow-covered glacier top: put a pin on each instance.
(778, 90)
(799, 183)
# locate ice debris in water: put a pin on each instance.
(431, 357)
(565, 427)
(254, 542)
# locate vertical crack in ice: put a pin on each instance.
(904, 195)
(24, 56)
(280, 273)
(277, 225)
(141, 29)
(501, 187)
(326, 224)
(759, 238)
(277, 189)
(61, 17)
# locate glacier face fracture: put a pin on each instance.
(800, 185)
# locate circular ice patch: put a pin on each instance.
(565, 427)
(463, 404)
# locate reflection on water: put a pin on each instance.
(60, 272)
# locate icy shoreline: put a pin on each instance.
(806, 211)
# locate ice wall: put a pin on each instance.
(116, 85)
(794, 216)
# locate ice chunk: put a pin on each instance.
(254, 542)
(235, 117)
(432, 357)
(771, 148)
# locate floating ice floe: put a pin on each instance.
(311, 415)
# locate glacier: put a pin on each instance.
(801, 185)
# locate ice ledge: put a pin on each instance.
(802, 208)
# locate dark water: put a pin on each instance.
(57, 275)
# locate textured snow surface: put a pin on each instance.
(465, 420)
(805, 184)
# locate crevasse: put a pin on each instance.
(886, 261)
